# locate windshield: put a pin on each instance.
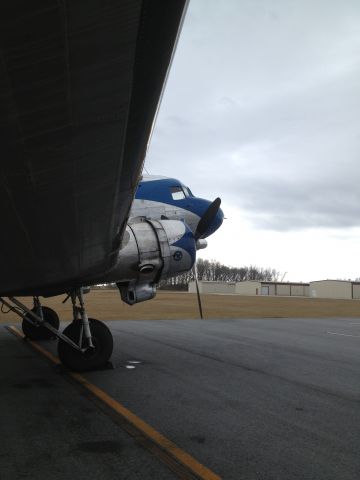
(188, 192)
(177, 193)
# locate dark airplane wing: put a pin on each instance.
(80, 83)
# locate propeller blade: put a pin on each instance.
(207, 218)
(197, 290)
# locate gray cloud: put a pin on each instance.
(294, 206)
(262, 107)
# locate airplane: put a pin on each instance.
(162, 236)
(167, 225)
(80, 88)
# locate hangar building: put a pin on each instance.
(250, 287)
(281, 289)
(341, 289)
(335, 289)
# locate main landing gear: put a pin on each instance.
(93, 338)
(85, 344)
(33, 329)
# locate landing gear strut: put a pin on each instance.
(92, 336)
(33, 329)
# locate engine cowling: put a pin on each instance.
(152, 250)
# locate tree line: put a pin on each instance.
(212, 270)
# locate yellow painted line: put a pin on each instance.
(37, 347)
(160, 440)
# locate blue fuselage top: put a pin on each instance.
(171, 191)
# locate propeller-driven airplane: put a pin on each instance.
(167, 225)
(80, 85)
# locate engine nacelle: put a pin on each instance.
(152, 250)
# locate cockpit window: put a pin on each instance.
(188, 192)
(177, 193)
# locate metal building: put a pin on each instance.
(288, 289)
(341, 289)
(250, 287)
(335, 289)
(213, 287)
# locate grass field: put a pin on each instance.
(107, 305)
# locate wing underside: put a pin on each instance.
(80, 83)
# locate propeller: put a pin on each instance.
(207, 218)
(203, 226)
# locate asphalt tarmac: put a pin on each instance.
(249, 399)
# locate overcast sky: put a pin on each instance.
(262, 109)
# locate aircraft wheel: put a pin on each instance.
(93, 358)
(41, 333)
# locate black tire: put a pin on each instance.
(93, 358)
(41, 333)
